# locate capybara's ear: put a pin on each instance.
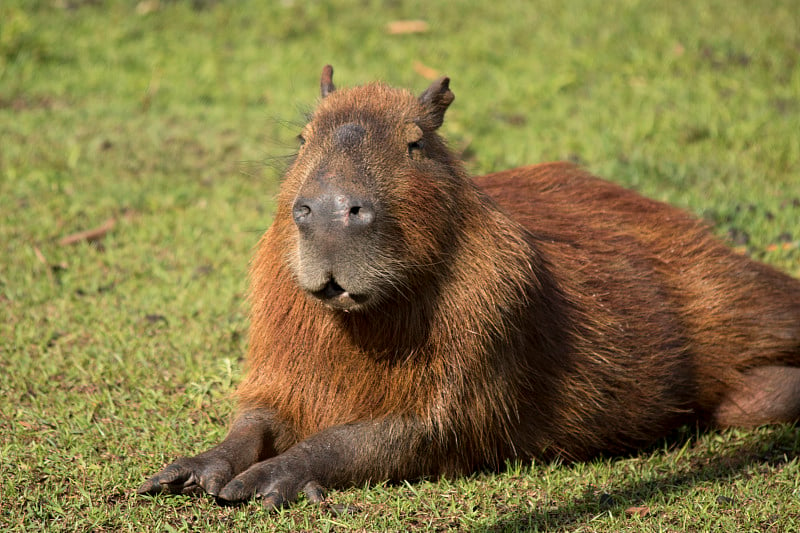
(436, 100)
(326, 86)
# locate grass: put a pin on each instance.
(174, 118)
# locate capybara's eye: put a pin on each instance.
(301, 140)
(414, 148)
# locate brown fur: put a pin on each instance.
(536, 312)
(624, 315)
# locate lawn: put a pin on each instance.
(166, 125)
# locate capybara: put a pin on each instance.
(408, 320)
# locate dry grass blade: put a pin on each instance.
(401, 27)
(90, 235)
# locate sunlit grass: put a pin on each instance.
(173, 118)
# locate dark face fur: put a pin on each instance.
(354, 243)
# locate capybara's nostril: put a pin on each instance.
(333, 212)
(361, 213)
(301, 213)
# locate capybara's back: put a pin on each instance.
(669, 320)
(408, 320)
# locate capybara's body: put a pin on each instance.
(409, 321)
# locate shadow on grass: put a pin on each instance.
(780, 445)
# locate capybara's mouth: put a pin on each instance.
(338, 297)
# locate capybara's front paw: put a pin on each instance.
(277, 482)
(191, 475)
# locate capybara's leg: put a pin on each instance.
(390, 448)
(766, 394)
(249, 440)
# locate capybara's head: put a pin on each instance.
(370, 200)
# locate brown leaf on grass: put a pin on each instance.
(401, 27)
(91, 235)
(425, 71)
(147, 6)
(637, 511)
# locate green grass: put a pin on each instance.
(175, 118)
